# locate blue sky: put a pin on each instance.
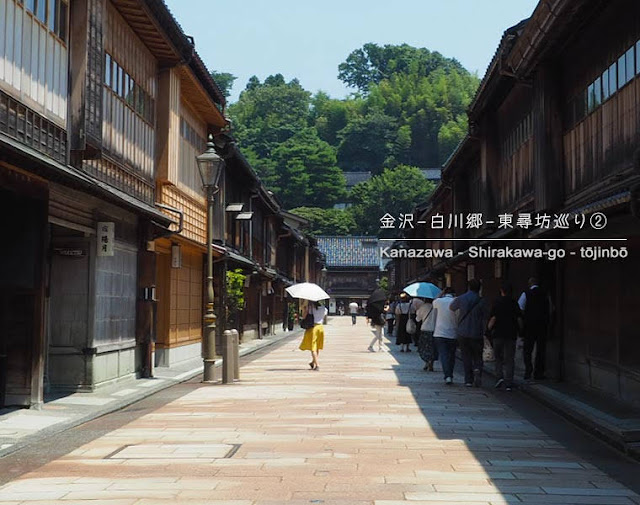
(308, 39)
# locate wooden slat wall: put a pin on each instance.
(195, 214)
(131, 183)
(188, 177)
(125, 134)
(515, 182)
(605, 141)
(168, 122)
(185, 320)
(33, 62)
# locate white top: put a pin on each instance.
(353, 308)
(446, 320)
(427, 316)
(318, 314)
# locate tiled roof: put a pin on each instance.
(358, 251)
(354, 178)
(432, 174)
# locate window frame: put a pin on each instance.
(622, 71)
(630, 60)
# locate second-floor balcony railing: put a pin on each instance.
(27, 127)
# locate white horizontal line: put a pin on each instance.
(503, 239)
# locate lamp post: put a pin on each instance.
(210, 166)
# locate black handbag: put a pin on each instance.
(307, 322)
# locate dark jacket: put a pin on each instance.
(376, 315)
(536, 311)
(507, 312)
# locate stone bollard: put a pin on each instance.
(227, 357)
(236, 354)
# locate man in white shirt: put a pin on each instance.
(353, 310)
(444, 333)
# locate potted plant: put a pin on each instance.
(292, 314)
(234, 297)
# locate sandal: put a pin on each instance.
(312, 365)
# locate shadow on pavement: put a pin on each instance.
(520, 446)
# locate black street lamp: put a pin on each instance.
(210, 166)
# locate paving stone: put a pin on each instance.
(361, 431)
(589, 492)
(573, 499)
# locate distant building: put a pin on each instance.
(432, 174)
(353, 268)
(354, 178)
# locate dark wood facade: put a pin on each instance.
(555, 129)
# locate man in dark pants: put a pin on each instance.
(535, 304)
(504, 325)
(471, 323)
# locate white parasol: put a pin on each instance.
(307, 291)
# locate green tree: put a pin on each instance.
(225, 81)
(395, 191)
(371, 64)
(451, 134)
(367, 142)
(327, 221)
(268, 114)
(329, 116)
(234, 295)
(306, 173)
(424, 104)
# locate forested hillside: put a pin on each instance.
(407, 112)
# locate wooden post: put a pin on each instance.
(145, 307)
(547, 126)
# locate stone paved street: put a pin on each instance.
(368, 428)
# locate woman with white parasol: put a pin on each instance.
(313, 339)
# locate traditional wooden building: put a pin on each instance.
(353, 268)
(555, 131)
(190, 107)
(77, 148)
(118, 49)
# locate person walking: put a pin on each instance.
(413, 307)
(353, 310)
(444, 333)
(313, 339)
(402, 316)
(375, 317)
(503, 327)
(536, 306)
(389, 314)
(426, 347)
(472, 315)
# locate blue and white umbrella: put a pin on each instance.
(422, 290)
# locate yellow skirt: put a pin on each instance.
(313, 339)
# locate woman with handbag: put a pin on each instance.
(313, 339)
(426, 347)
(402, 317)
